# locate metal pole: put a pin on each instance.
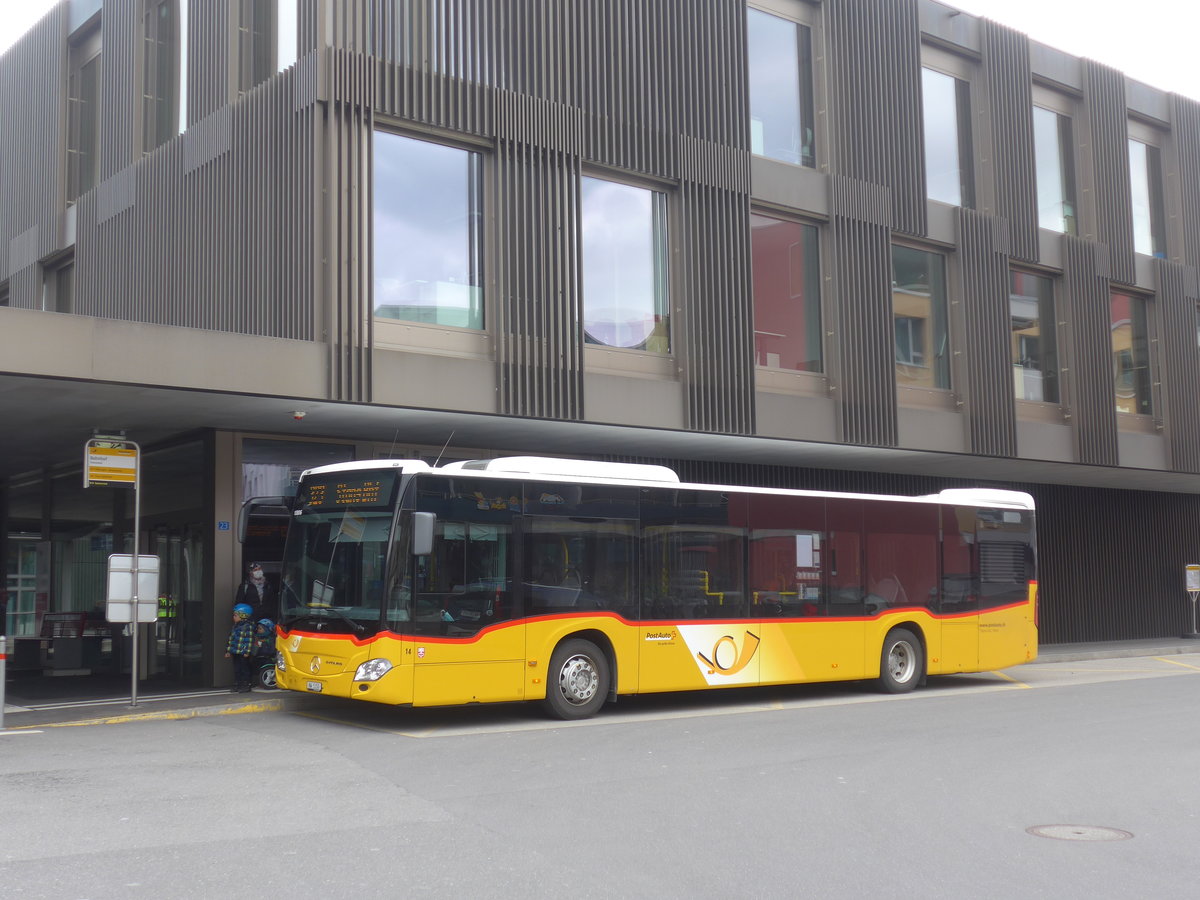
(3, 652)
(137, 518)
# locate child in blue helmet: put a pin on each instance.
(240, 647)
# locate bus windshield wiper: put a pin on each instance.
(358, 628)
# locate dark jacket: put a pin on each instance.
(265, 605)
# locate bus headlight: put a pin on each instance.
(373, 670)
(279, 663)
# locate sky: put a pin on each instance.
(1118, 33)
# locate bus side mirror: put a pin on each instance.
(422, 543)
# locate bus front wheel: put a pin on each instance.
(901, 662)
(578, 680)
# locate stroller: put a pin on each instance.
(263, 659)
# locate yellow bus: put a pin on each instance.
(573, 582)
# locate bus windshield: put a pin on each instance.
(334, 560)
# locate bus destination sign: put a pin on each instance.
(371, 490)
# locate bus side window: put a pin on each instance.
(785, 573)
(902, 555)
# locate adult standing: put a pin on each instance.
(257, 592)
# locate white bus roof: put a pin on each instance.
(576, 468)
(584, 470)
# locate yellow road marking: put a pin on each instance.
(1176, 662)
(1014, 681)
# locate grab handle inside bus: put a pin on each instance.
(423, 527)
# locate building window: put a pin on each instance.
(625, 266)
(287, 33)
(1131, 354)
(1145, 175)
(4, 297)
(58, 286)
(787, 294)
(427, 214)
(946, 111)
(1034, 343)
(919, 313)
(256, 42)
(164, 71)
(83, 113)
(1054, 158)
(266, 39)
(781, 88)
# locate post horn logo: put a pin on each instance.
(726, 658)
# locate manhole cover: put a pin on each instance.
(1079, 833)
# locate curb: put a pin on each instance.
(198, 712)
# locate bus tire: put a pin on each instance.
(578, 680)
(901, 662)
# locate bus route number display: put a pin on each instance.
(372, 490)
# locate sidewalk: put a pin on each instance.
(50, 703)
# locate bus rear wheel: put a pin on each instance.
(901, 662)
(578, 680)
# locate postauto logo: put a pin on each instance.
(723, 658)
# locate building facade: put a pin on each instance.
(875, 245)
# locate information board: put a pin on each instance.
(111, 463)
(348, 490)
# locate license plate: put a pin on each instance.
(315, 686)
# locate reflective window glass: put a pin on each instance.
(787, 553)
(1033, 341)
(945, 102)
(624, 266)
(901, 545)
(693, 555)
(427, 264)
(83, 111)
(1145, 176)
(1055, 170)
(164, 71)
(1131, 354)
(787, 294)
(780, 77)
(919, 313)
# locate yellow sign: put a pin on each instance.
(109, 463)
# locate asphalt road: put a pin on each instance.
(822, 792)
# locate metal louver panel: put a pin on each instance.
(31, 181)
(1104, 95)
(243, 190)
(1001, 562)
(1186, 120)
(437, 60)
(1178, 302)
(539, 341)
(875, 101)
(707, 104)
(348, 131)
(1086, 292)
(120, 92)
(211, 40)
(865, 372)
(985, 277)
(1010, 96)
(717, 356)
